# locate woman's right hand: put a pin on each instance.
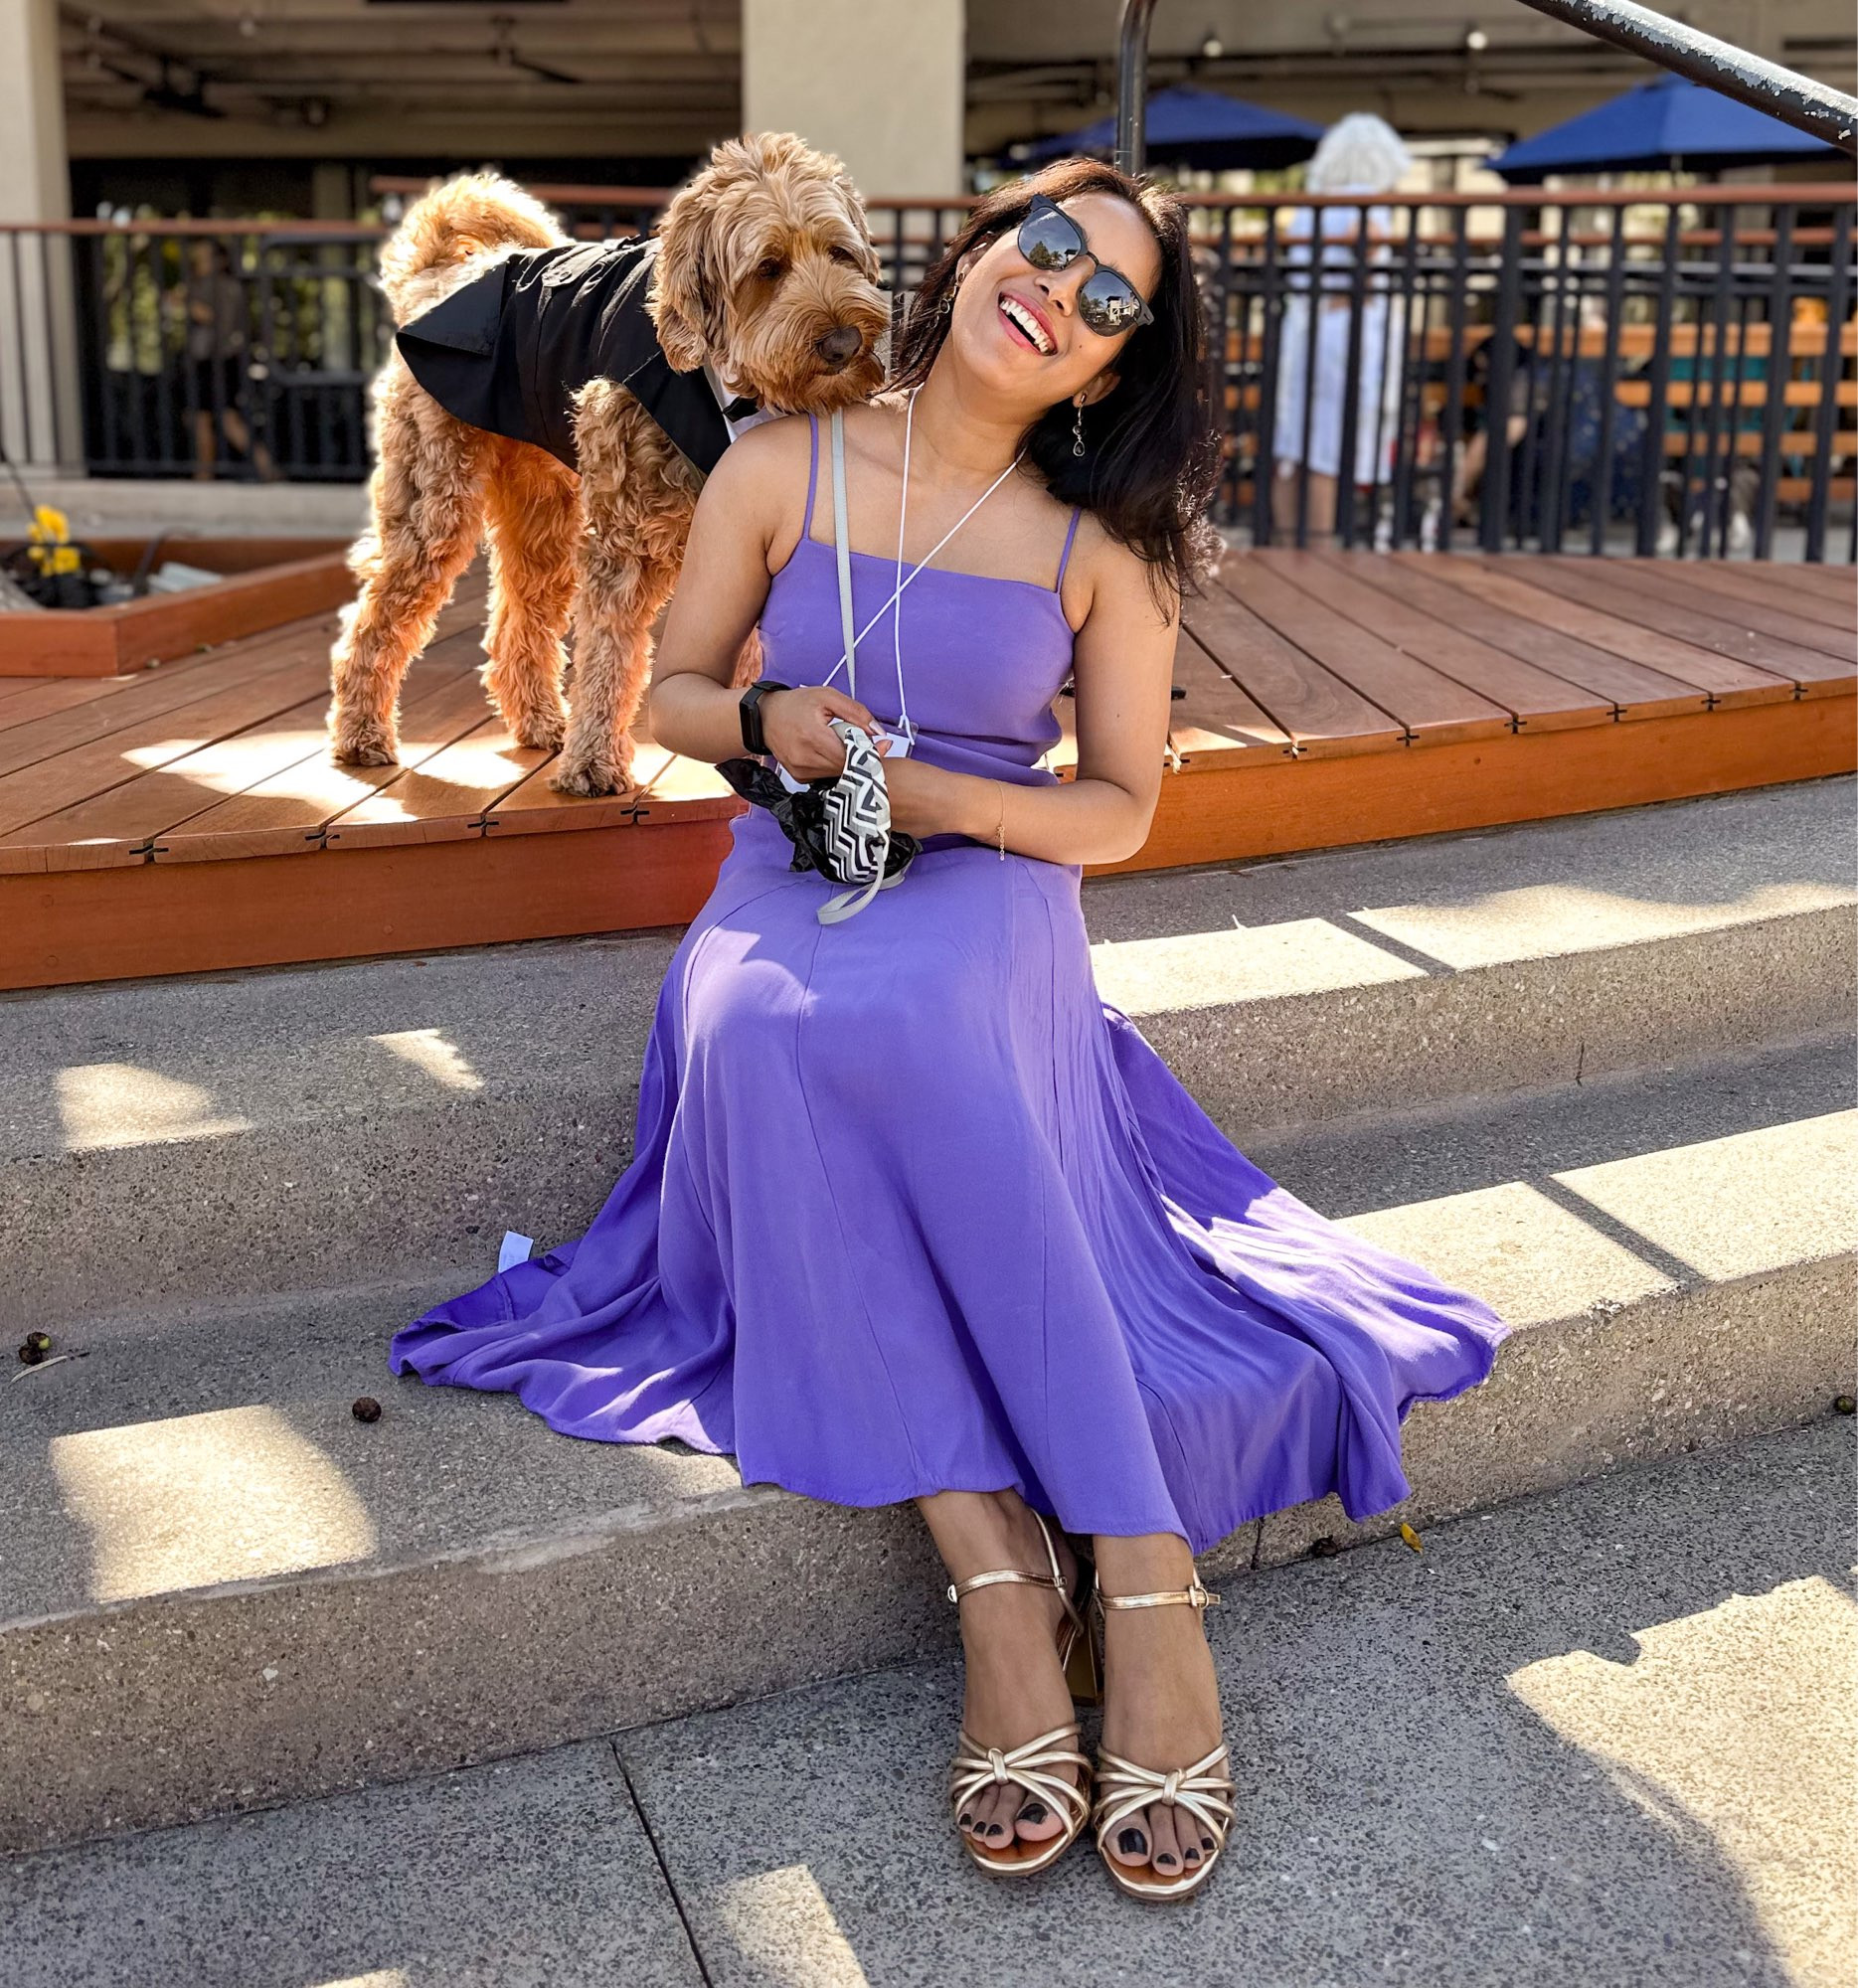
(795, 725)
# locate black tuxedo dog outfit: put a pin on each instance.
(508, 351)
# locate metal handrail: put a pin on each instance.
(1813, 107)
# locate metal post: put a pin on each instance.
(1796, 100)
(1132, 84)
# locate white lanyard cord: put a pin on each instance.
(920, 565)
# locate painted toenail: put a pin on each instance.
(966, 1821)
(1166, 1860)
(996, 1829)
(1206, 1843)
(1033, 1812)
(1132, 1843)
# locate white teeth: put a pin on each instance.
(1027, 323)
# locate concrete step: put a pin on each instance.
(325, 1126)
(1602, 1736)
(221, 1590)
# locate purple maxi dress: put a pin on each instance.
(912, 1209)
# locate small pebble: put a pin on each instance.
(1845, 1405)
(367, 1409)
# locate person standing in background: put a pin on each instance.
(1361, 155)
(215, 302)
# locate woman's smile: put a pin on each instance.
(1026, 323)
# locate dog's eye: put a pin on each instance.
(841, 253)
(770, 268)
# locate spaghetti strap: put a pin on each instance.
(1064, 557)
(812, 480)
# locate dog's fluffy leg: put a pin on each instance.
(638, 494)
(533, 516)
(618, 601)
(428, 500)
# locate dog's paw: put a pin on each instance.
(540, 734)
(364, 745)
(587, 778)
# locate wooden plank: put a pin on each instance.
(1764, 587)
(283, 813)
(1430, 707)
(125, 752)
(1769, 638)
(1836, 580)
(533, 807)
(1256, 805)
(1593, 588)
(1528, 592)
(108, 641)
(180, 683)
(169, 688)
(191, 917)
(1216, 717)
(1316, 710)
(129, 822)
(1484, 604)
(161, 918)
(1369, 590)
(23, 700)
(441, 798)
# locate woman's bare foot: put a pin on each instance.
(1161, 1703)
(1009, 1640)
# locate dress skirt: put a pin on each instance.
(912, 1209)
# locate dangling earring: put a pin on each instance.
(947, 302)
(1077, 429)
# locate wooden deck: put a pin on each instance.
(188, 818)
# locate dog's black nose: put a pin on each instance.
(840, 346)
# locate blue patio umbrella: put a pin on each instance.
(1666, 124)
(1194, 127)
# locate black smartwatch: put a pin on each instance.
(752, 739)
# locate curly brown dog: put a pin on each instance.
(760, 270)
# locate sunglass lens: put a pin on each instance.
(1049, 240)
(1109, 304)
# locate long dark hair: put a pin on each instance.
(1150, 459)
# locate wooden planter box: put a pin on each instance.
(268, 582)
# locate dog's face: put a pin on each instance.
(766, 269)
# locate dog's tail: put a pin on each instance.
(446, 228)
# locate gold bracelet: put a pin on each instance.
(1002, 821)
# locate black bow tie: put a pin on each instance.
(741, 408)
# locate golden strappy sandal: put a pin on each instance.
(1037, 1765)
(1124, 1790)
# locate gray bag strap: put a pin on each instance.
(842, 546)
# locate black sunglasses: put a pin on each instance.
(1050, 240)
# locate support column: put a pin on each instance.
(880, 82)
(40, 404)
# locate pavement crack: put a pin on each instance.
(664, 1869)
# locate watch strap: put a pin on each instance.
(753, 740)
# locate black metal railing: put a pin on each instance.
(1672, 373)
(1593, 370)
(174, 348)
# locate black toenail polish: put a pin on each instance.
(966, 1821)
(996, 1829)
(1166, 1860)
(1132, 1843)
(1206, 1843)
(1033, 1812)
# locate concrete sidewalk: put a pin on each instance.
(1600, 1738)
